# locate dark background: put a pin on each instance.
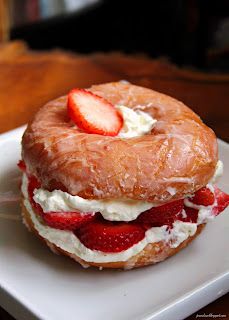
(191, 32)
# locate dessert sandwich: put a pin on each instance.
(119, 176)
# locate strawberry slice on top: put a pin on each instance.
(93, 114)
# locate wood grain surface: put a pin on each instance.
(30, 79)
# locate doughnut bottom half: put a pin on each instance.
(151, 254)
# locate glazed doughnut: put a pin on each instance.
(114, 201)
(180, 152)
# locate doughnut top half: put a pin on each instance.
(180, 152)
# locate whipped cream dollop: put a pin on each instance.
(136, 123)
(67, 240)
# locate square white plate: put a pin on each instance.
(35, 283)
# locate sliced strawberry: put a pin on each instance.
(67, 220)
(109, 236)
(21, 165)
(32, 185)
(58, 220)
(222, 201)
(162, 215)
(93, 114)
(189, 215)
(203, 197)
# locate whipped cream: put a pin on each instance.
(136, 123)
(113, 210)
(67, 240)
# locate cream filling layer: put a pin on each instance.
(67, 241)
(112, 209)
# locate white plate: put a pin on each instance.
(36, 283)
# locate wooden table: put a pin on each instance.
(30, 79)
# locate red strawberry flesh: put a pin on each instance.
(34, 184)
(108, 236)
(67, 220)
(189, 215)
(222, 200)
(93, 114)
(58, 220)
(203, 197)
(21, 165)
(162, 215)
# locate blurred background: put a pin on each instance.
(191, 32)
